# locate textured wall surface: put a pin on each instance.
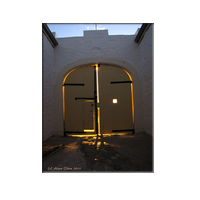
(96, 47)
(47, 88)
(96, 44)
(146, 56)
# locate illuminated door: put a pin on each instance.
(116, 100)
(79, 101)
(98, 99)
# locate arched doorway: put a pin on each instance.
(98, 99)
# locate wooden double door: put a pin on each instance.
(98, 99)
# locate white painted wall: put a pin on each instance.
(146, 57)
(47, 88)
(94, 47)
(96, 44)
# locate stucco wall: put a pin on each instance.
(47, 88)
(96, 44)
(96, 47)
(146, 57)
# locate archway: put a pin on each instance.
(137, 90)
(98, 99)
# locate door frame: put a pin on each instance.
(96, 108)
(68, 68)
(95, 67)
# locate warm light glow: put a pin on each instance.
(131, 94)
(63, 90)
(97, 79)
(112, 134)
(87, 142)
(47, 148)
(98, 145)
(72, 146)
(84, 135)
(93, 118)
(89, 130)
(114, 100)
(99, 133)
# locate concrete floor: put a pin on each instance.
(122, 153)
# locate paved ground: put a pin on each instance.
(124, 153)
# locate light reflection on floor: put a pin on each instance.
(72, 146)
(114, 134)
(93, 139)
(50, 147)
(101, 153)
(87, 142)
(99, 135)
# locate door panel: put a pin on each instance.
(88, 115)
(79, 86)
(114, 83)
(115, 116)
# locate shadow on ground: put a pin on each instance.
(122, 153)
